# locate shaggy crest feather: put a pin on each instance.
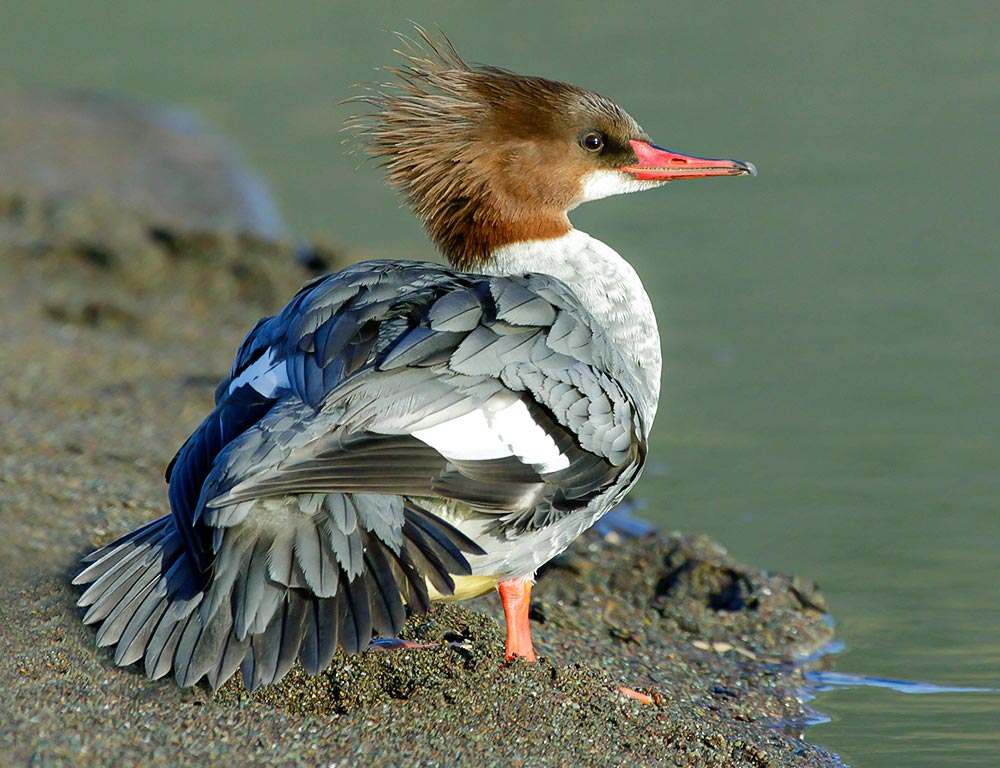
(461, 144)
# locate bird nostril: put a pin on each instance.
(678, 161)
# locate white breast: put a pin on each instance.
(608, 288)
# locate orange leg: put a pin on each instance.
(515, 594)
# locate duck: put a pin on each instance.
(406, 432)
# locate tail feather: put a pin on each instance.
(147, 617)
(273, 652)
(230, 656)
(355, 615)
(135, 638)
(123, 545)
(201, 646)
(319, 635)
(115, 592)
(160, 651)
(387, 611)
(271, 596)
(291, 623)
(256, 596)
(119, 616)
(100, 578)
(229, 561)
(424, 555)
(186, 669)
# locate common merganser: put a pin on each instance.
(404, 432)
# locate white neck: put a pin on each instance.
(608, 288)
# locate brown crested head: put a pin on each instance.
(487, 157)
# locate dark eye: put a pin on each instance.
(592, 141)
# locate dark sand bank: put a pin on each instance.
(114, 333)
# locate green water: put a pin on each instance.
(830, 328)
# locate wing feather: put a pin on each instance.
(298, 521)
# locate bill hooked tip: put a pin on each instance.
(655, 163)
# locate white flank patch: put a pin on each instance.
(598, 184)
(264, 375)
(479, 436)
(528, 441)
(468, 437)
